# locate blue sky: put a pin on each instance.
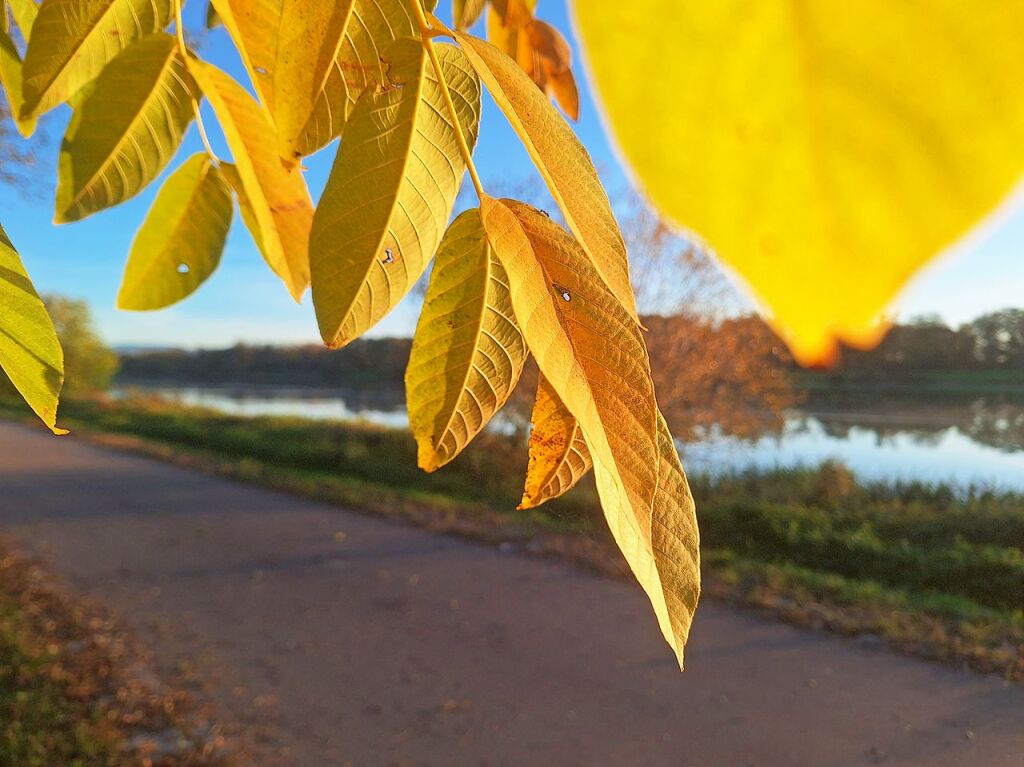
(243, 301)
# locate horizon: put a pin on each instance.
(244, 303)
(143, 348)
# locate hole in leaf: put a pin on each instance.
(566, 295)
(260, 70)
(183, 269)
(389, 256)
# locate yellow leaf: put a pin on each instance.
(504, 38)
(676, 542)
(372, 27)
(289, 47)
(552, 60)
(181, 240)
(592, 353)
(24, 13)
(466, 12)
(391, 190)
(468, 353)
(513, 13)
(559, 457)
(279, 198)
(244, 206)
(126, 130)
(825, 150)
(72, 40)
(10, 78)
(30, 353)
(562, 87)
(562, 161)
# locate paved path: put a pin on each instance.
(398, 646)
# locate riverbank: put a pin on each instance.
(928, 570)
(817, 386)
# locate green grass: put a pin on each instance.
(925, 566)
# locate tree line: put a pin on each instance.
(993, 341)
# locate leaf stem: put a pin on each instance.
(180, 29)
(427, 35)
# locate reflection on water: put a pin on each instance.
(385, 407)
(935, 454)
(979, 442)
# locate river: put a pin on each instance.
(973, 442)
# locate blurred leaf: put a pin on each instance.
(72, 40)
(562, 87)
(372, 27)
(126, 129)
(465, 13)
(24, 13)
(181, 240)
(592, 353)
(30, 353)
(391, 190)
(825, 150)
(468, 353)
(10, 78)
(559, 457)
(562, 161)
(289, 47)
(540, 50)
(514, 13)
(279, 198)
(213, 19)
(552, 64)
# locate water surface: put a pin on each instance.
(974, 442)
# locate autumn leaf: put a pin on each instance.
(373, 26)
(289, 47)
(676, 542)
(825, 150)
(467, 353)
(30, 353)
(391, 190)
(466, 12)
(592, 353)
(559, 457)
(562, 162)
(24, 13)
(181, 240)
(72, 40)
(230, 173)
(126, 130)
(279, 199)
(552, 66)
(10, 78)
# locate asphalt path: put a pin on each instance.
(334, 638)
